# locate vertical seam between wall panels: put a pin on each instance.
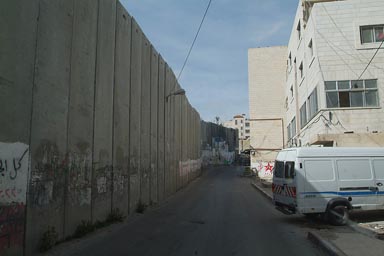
(150, 122)
(68, 111)
(30, 128)
(164, 132)
(113, 112)
(157, 129)
(130, 116)
(94, 105)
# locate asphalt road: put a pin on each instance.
(218, 214)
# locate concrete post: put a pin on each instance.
(121, 115)
(145, 167)
(103, 111)
(167, 173)
(49, 121)
(161, 130)
(135, 113)
(80, 119)
(154, 137)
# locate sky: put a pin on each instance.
(216, 75)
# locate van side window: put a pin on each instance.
(279, 169)
(354, 169)
(378, 166)
(289, 170)
(319, 170)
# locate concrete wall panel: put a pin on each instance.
(177, 134)
(18, 26)
(172, 105)
(167, 109)
(49, 120)
(80, 116)
(161, 130)
(103, 111)
(184, 137)
(121, 117)
(135, 113)
(154, 125)
(145, 165)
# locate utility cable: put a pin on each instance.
(341, 32)
(194, 40)
(369, 63)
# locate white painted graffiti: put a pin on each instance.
(14, 168)
(102, 185)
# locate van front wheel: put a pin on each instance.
(338, 215)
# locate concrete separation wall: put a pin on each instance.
(88, 128)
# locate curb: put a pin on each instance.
(327, 246)
(366, 232)
(262, 191)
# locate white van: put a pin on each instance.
(329, 181)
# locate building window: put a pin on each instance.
(247, 131)
(235, 122)
(290, 60)
(291, 91)
(301, 70)
(312, 104)
(310, 46)
(291, 129)
(298, 28)
(241, 121)
(372, 34)
(246, 124)
(346, 94)
(303, 115)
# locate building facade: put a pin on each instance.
(266, 77)
(242, 124)
(334, 74)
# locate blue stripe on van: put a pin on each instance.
(346, 193)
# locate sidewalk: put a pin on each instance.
(349, 241)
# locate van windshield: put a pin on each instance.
(279, 169)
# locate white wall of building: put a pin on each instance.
(338, 54)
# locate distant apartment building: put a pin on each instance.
(334, 89)
(266, 78)
(242, 124)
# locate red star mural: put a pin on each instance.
(268, 168)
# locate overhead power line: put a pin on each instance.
(369, 63)
(194, 40)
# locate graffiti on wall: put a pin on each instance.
(14, 172)
(265, 169)
(189, 166)
(79, 183)
(48, 176)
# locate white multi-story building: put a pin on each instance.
(266, 78)
(335, 74)
(242, 124)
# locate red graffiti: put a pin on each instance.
(12, 219)
(269, 168)
(10, 193)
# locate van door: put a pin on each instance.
(378, 170)
(289, 185)
(356, 182)
(320, 184)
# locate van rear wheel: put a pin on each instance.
(338, 215)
